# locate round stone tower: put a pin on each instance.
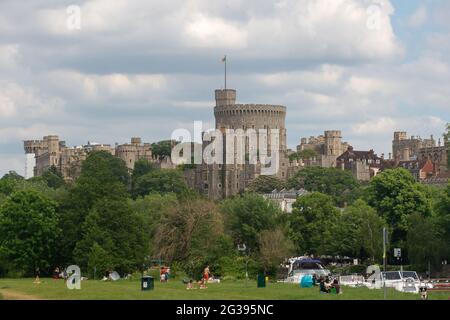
(230, 115)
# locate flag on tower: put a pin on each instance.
(224, 59)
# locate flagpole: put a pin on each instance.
(225, 72)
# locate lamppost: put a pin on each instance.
(243, 248)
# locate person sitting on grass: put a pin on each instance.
(56, 273)
(314, 280)
(322, 286)
(37, 273)
(336, 286)
(202, 284)
(190, 285)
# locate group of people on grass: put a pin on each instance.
(206, 275)
(326, 285)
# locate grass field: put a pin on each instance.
(239, 290)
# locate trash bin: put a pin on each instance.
(261, 280)
(147, 283)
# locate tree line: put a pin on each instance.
(111, 219)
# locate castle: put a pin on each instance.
(223, 180)
(422, 157)
(50, 151)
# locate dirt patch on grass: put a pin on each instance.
(8, 294)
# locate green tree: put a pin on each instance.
(161, 181)
(313, 224)
(339, 184)
(102, 176)
(112, 225)
(275, 247)
(265, 184)
(99, 260)
(150, 208)
(424, 242)
(188, 233)
(162, 149)
(9, 182)
(442, 218)
(247, 216)
(53, 178)
(360, 232)
(29, 231)
(142, 167)
(395, 195)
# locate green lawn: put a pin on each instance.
(130, 290)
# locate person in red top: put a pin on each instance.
(206, 274)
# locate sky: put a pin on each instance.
(146, 68)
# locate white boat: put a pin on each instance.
(403, 281)
(301, 266)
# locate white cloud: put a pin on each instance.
(419, 17)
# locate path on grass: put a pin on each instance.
(14, 295)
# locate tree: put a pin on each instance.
(339, 184)
(99, 260)
(53, 178)
(161, 181)
(313, 224)
(188, 233)
(29, 231)
(395, 195)
(424, 242)
(118, 231)
(360, 232)
(442, 218)
(142, 167)
(149, 209)
(274, 248)
(9, 182)
(102, 176)
(247, 216)
(162, 149)
(265, 184)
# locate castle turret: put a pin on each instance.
(225, 97)
(333, 143)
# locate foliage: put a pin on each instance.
(395, 195)
(360, 232)
(29, 231)
(141, 168)
(149, 210)
(117, 230)
(247, 216)
(339, 184)
(265, 184)
(161, 181)
(102, 176)
(423, 241)
(274, 248)
(162, 149)
(188, 233)
(313, 224)
(53, 178)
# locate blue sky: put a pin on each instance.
(147, 68)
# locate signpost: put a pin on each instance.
(385, 241)
(398, 255)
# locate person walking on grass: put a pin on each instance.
(37, 273)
